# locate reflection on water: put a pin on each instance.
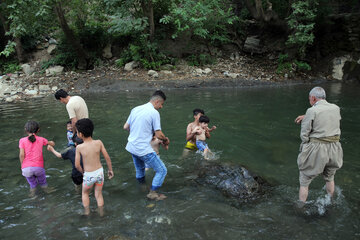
(254, 128)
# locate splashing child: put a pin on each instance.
(31, 156)
(201, 135)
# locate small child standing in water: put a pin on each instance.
(93, 171)
(31, 156)
(69, 134)
(201, 135)
(69, 153)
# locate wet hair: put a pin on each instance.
(318, 92)
(69, 122)
(196, 111)
(85, 126)
(61, 93)
(77, 140)
(32, 127)
(204, 119)
(158, 94)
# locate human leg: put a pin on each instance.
(98, 195)
(139, 168)
(155, 163)
(85, 199)
(330, 188)
(303, 193)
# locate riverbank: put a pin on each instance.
(237, 72)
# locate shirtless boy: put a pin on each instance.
(191, 135)
(93, 171)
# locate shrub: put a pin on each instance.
(200, 60)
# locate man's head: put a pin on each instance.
(157, 99)
(316, 94)
(204, 121)
(61, 95)
(198, 113)
(85, 128)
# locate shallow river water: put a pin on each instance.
(255, 128)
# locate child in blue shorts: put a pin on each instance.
(200, 132)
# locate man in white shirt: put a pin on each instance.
(75, 106)
(142, 123)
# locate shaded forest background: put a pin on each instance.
(298, 33)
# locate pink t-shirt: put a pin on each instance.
(33, 151)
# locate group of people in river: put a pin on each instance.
(320, 150)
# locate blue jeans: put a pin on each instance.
(154, 162)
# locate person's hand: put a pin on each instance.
(299, 119)
(166, 141)
(110, 174)
(50, 148)
(51, 143)
(213, 128)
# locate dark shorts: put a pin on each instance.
(77, 179)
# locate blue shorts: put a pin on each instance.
(201, 145)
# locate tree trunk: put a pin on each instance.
(18, 48)
(70, 37)
(3, 28)
(148, 11)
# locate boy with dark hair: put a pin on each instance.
(200, 132)
(93, 171)
(69, 154)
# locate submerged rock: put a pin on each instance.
(233, 181)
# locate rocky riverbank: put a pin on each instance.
(237, 71)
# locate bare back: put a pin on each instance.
(90, 152)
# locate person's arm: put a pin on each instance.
(51, 143)
(127, 126)
(189, 133)
(51, 149)
(212, 128)
(73, 122)
(299, 119)
(108, 160)
(160, 135)
(77, 160)
(306, 126)
(21, 155)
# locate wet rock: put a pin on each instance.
(131, 66)
(207, 71)
(107, 52)
(43, 88)
(153, 74)
(27, 69)
(233, 181)
(54, 70)
(51, 49)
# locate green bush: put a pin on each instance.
(284, 65)
(200, 60)
(9, 67)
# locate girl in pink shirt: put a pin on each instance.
(31, 157)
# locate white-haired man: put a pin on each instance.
(320, 149)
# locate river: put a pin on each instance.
(255, 128)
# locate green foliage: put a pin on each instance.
(302, 22)
(65, 56)
(200, 60)
(284, 65)
(9, 49)
(208, 19)
(302, 66)
(145, 52)
(9, 66)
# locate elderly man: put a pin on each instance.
(75, 106)
(320, 149)
(143, 122)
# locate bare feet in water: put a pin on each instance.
(156, 196)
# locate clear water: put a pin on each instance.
(255, 128)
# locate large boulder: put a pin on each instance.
(233, 181)
(131, 65)
(27, 69)
(54, 70)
